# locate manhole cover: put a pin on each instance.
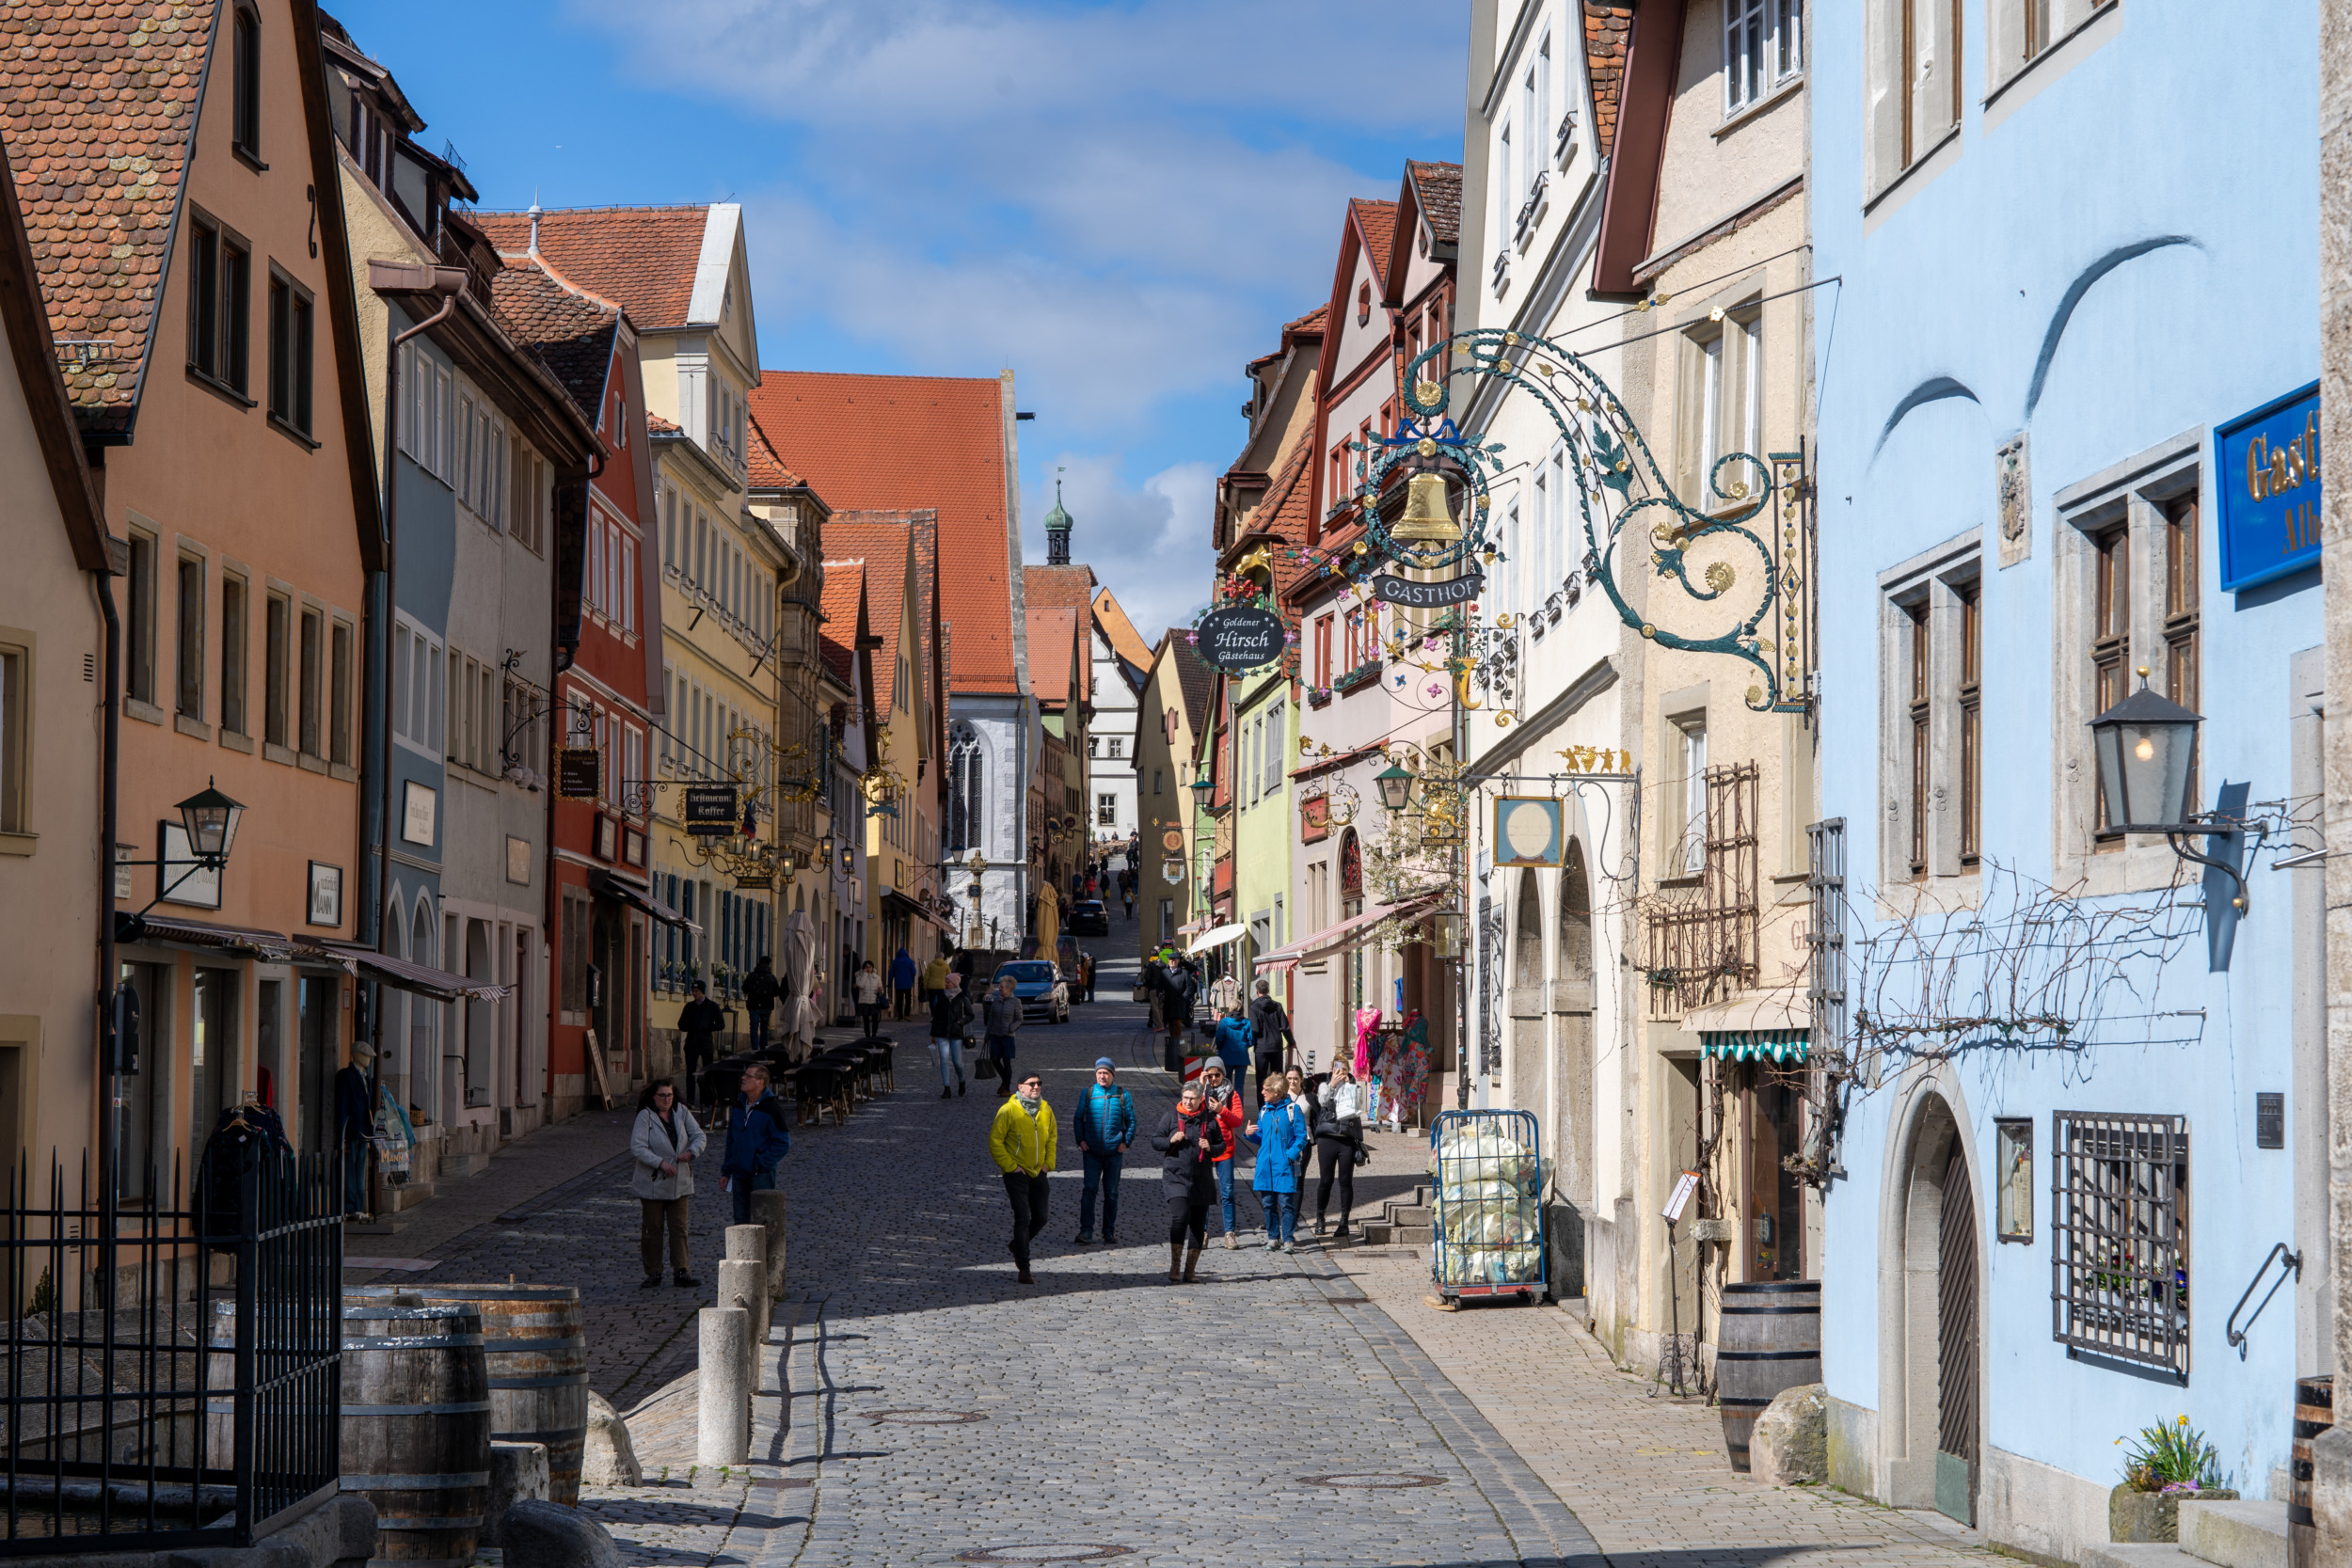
(1368, 1480)
(927, 1418)
(1051, 1551)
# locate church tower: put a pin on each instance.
(1058, 531)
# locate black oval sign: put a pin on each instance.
(1240, 637)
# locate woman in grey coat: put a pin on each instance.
(665, 1144)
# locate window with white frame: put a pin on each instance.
(1930, 754)
(1506, 190)
(1763, 47)
(418, 711)
(1727, 389)
(1685, 817)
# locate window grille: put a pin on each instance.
(2118, 1245)
(1702, 941)
(1825, 933)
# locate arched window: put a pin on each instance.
(968, 806)
(423, 1057)
(1575, 918)
(1527, 936)
(245, 67)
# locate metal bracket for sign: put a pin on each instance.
(1741, 556)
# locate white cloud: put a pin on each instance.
(1148, 542)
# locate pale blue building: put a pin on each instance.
(2055, 282)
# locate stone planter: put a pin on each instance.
(2133, 1515)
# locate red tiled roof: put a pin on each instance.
(97, 104)
(1608, 29)
(1058, 587)
(1194, 678)
(1053, 653)
(767, 471)
(1311, 322)
(884, 548)
(1440, 189)
(886, 442)
(657, 425)
(1379, 221)
(845, 595)
(1119, 632)
(641, 258)
(572, 332)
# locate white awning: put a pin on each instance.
(1217, 937)
(1758, 1013)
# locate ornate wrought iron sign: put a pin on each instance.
(1429, 595)
(710, 809)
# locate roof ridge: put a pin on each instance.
(557, 277)
(645, 207)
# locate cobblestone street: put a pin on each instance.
(1307, 1410)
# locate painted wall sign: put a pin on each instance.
(2267, 477)
(1240, 637)
(1427, 595)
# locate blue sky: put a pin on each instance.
(1121, 202)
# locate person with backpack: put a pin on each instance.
(759, 1135)
(1281, 1137)
(760, 990)
(902, 974)
(1270, 1022)
(1234, 1039)
(1106, 1125)
(951, 1015)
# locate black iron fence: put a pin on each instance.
(171, 1373)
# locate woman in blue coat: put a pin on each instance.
(1281, 1139)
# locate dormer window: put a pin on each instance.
(245, 121)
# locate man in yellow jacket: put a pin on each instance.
(1024, 1141)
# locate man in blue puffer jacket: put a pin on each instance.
(1106, 1125)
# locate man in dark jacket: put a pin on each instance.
(1106, 1125)
(759, 1135)
(951, 1015)
(699, 1020)
(1189, 1142)
(760, 990)
(1271, 1023)
(352, 1124)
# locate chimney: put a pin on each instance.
(534, 223)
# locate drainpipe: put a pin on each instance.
(110, 699)
(387, 278)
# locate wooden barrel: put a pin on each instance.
(1769, 1338)
(2315, 1413)
(534, 1339)
(416, 1427)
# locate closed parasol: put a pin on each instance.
(799, 1024)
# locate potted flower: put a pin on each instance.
(2171, 1463)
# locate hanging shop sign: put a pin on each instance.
(1240, 638)
(1530, 830)
(710, 810)
(1429, 595)
(576, 772)
(1315, 820)
(2268, 464)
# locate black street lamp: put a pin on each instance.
(210, 819)
(2143, 747)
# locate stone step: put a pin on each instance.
(2136, 1554)
(2235, 1534)
(1407, 1213)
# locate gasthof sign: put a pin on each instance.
(1428, 595)
(2266, 476)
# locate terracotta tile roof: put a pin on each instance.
(1378, 222)
(1194, 678)
(1440, 189)
(887, 442)
(768, 470)
(657, 425)
(1119, 632)
(573, 333)
(1058, 587)
(1054, 650)
(97, 104)
(845, 595)
(641, 258)
(1608, 29)
(1311, 322)
(884, 548)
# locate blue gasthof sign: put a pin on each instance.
(2268, 480)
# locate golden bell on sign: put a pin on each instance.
(1427, 518)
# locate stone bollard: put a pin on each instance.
(748, 1243)
(723, 1400)
(767, 1213)
(742, 1284)
(518, 1473)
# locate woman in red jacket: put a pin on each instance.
(1225, 1100)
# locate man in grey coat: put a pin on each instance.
(1000, 1020)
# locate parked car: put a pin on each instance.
(1038, 984)
(1090, 918)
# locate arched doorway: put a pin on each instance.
(1940, 1342)
(1523, 1085)
(1569, 1115)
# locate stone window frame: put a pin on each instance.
(1935, 578)
(2136, 491)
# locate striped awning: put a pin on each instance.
(1784, 1046)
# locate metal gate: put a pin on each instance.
(1956, 1346)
